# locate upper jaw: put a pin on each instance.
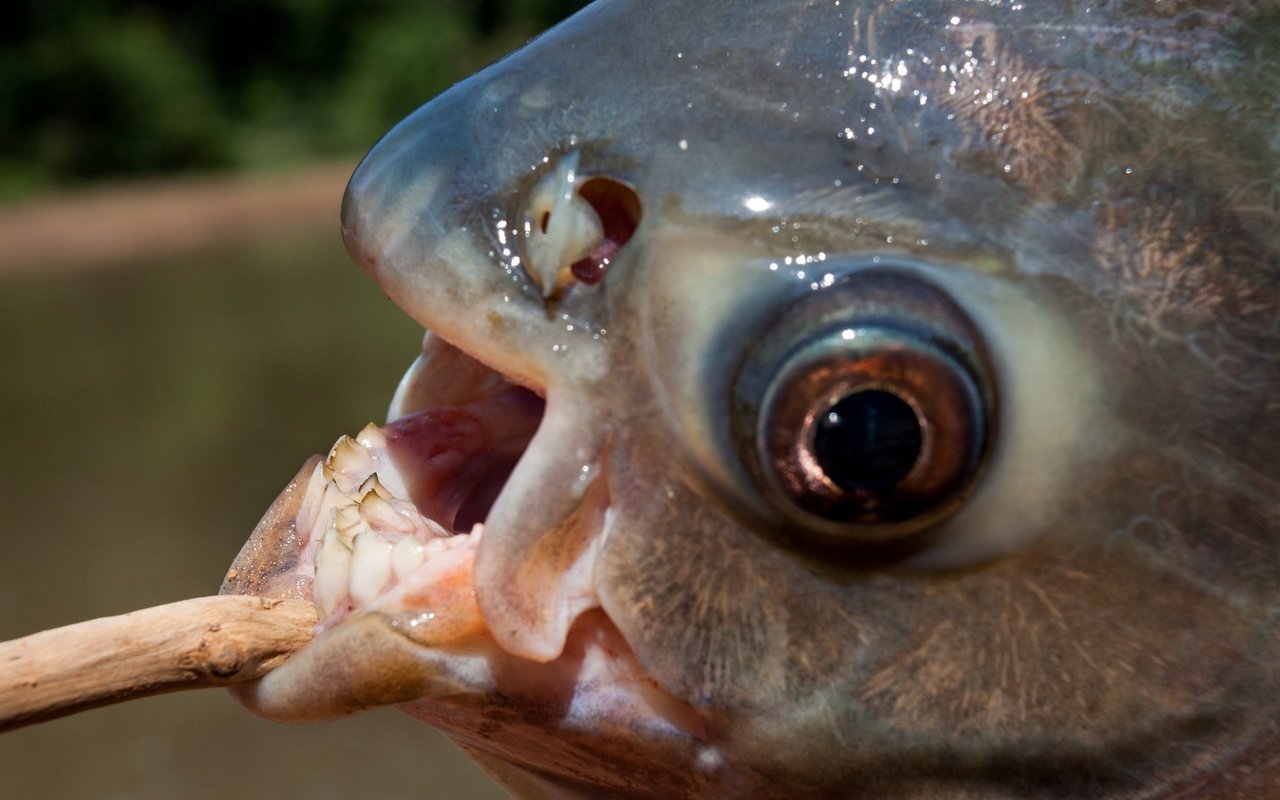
(411, 221)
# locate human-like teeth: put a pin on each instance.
(370, 567)
(407, 555)
(371, 437)
(349, 523)
(349, 464)
(361, 533)
(333, 562)
(382, 515)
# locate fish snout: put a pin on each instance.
(393, 199)
(354, 235)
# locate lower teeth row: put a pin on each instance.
(364, 539)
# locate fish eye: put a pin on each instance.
(866, 410)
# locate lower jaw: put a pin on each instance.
(395, 631)
(382, 536)
(372, 550)
(391, 519)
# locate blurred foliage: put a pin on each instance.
(93, 89)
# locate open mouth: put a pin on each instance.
(390, 520)
(383, 535)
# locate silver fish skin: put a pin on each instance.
(1030, 249)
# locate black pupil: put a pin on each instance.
(868, 440)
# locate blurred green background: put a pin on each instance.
(91, 89)
(151, 406)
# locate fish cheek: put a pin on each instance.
(718, 615)
(701, 599)
(1079, 654)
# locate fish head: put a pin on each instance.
(821, 399)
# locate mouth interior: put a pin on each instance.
(455, 459)
(391, 517)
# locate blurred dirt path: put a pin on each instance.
(120, 225)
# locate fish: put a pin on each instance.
(839, 398)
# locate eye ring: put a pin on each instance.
(910, 372)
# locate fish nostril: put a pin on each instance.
(618, 207)
(574, 227)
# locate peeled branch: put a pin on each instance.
(191, 644)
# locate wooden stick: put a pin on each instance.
(191, 644)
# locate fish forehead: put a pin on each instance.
(1027, 132)
(1113, 163)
